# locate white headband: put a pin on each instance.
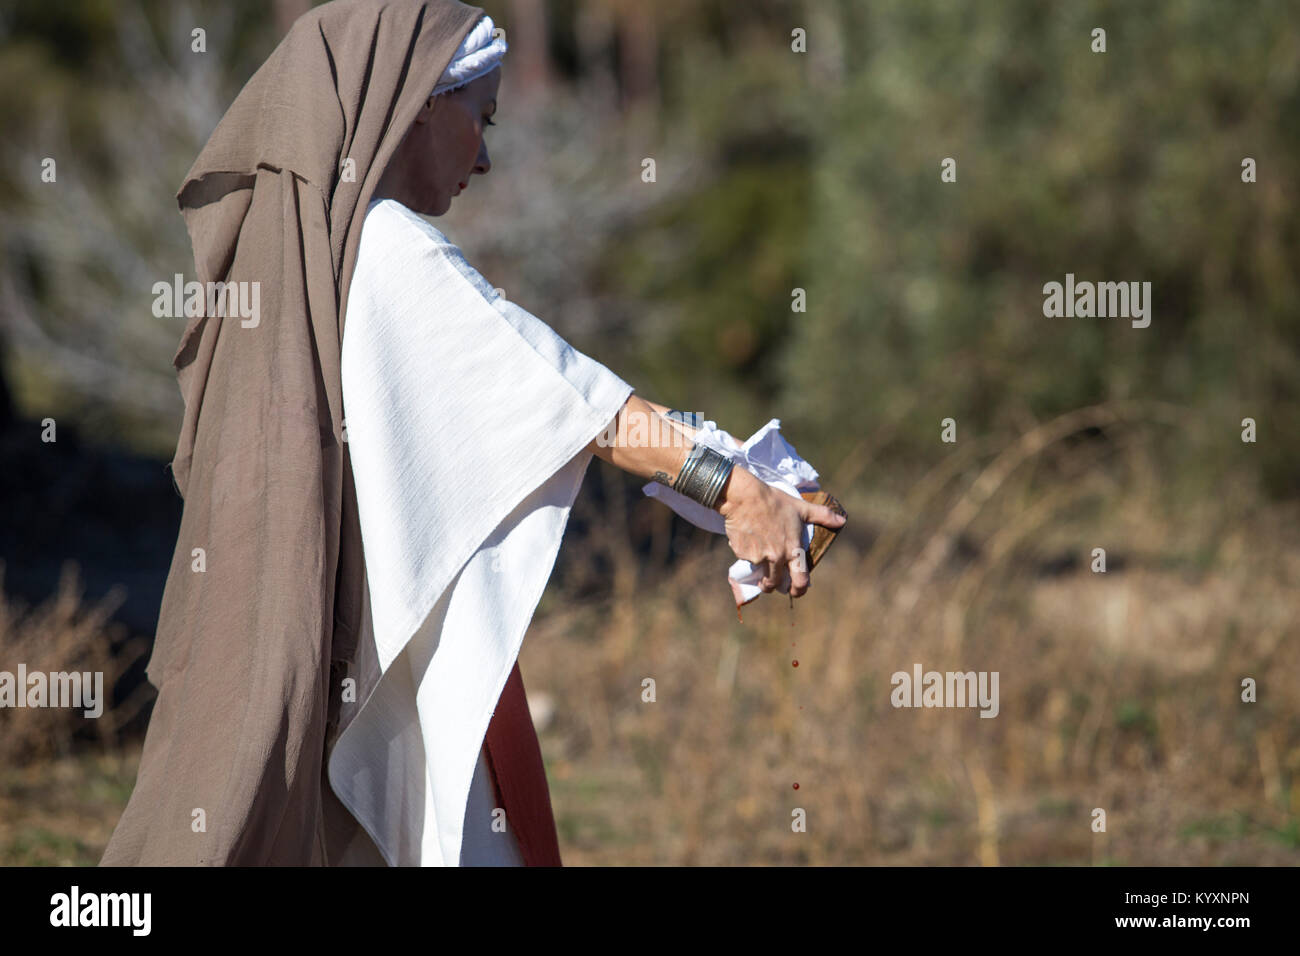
(479, 53)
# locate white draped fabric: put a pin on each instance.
(467, 419)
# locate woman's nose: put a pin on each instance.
(482, 164)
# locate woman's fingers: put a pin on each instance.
(824, 516)
(791, 564)
(800, 576)
(774, 569)
(766, 528)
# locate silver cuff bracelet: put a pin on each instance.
(702, 477)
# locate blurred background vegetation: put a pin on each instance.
(775, 171)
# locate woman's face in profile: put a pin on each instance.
(443, 148)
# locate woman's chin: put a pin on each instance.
(435, 206)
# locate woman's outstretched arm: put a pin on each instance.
(762, 524)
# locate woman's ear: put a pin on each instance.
(427, 110)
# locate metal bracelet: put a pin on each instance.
(702, 477)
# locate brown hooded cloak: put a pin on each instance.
(261, 611)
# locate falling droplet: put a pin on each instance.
(738, 617)
(795, 664)
(796, 786)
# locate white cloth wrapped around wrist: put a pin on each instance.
(770, 458)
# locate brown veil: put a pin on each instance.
(262, 604)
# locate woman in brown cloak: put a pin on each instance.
(264, 602)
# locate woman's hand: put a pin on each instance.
(762, 523)
(765, 525)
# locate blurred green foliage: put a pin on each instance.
(925, 298)
(821, 171)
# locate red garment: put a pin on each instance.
(519, 776)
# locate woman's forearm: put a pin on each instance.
(642, 441)
(688, 430)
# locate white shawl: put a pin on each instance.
(467, 419)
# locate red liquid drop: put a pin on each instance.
(795, 664)
(738, 617)
(796, 786)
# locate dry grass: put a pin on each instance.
(63, 784)
(62, 634)
(1119, 691)
(61, 811)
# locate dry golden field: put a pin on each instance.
(1119, 690)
